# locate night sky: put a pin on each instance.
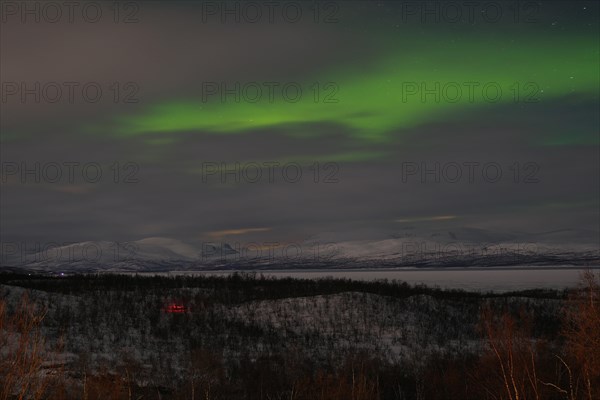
(388, 89)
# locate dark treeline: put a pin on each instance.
(240, 286)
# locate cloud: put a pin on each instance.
(233, 232)
(424, 219)
(371, 134)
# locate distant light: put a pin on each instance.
(175, 309)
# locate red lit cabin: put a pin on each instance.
(175, 309)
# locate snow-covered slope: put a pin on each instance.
(403, 248)
(144, 254)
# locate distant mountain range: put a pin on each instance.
(410, 247)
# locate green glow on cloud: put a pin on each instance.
(371, 104)
(572, 137)
(303, 160)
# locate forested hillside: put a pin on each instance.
(250, 337)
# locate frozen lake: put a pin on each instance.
(490, 279)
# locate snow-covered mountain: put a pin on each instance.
(411, 247)
(101, 255)
(464, 243)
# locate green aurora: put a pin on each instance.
(373, 103)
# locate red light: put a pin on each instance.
(175, 309)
